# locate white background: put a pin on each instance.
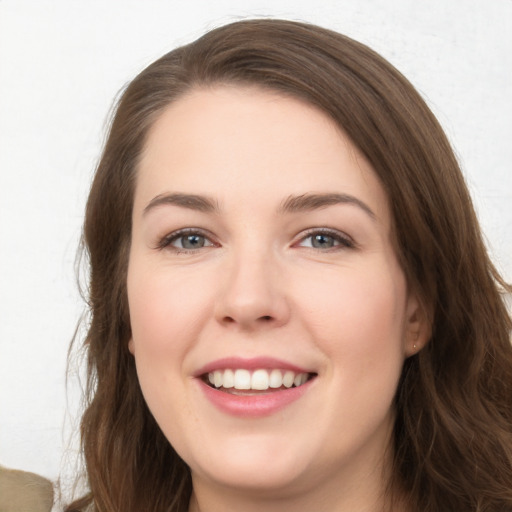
(61, 64)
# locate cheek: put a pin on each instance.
(166, 309)
(166, 315)
(357, 320)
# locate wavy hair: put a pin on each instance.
(452, 444)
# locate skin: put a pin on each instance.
(259, 288)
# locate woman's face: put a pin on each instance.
(261, 256)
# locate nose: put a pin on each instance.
(253, 294)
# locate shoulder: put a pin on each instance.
(20, 490)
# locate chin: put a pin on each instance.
(259, 466)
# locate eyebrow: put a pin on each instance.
(308, 202)
(292, 204)
(190, 201)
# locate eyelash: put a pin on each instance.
(167, 241)
(341, 240)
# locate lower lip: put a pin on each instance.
(253, 406)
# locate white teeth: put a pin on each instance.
(288, 379)
(242, 379)
(259, 379)
(276, 379)
(229, 379)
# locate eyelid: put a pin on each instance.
(345, 241)
(166, 241)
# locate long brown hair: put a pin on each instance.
(453, 434)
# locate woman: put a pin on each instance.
(291, 304)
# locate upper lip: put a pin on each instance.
(253, 363)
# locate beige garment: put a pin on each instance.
(24, 492)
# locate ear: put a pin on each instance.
(131, 348)
(417, 325)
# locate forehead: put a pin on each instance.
(253, 142)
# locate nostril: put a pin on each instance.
(267, 318)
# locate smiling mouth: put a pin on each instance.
(246, 382)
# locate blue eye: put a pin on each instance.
(325, 240)
(189, 242)
(322, 241)
(185, 240)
